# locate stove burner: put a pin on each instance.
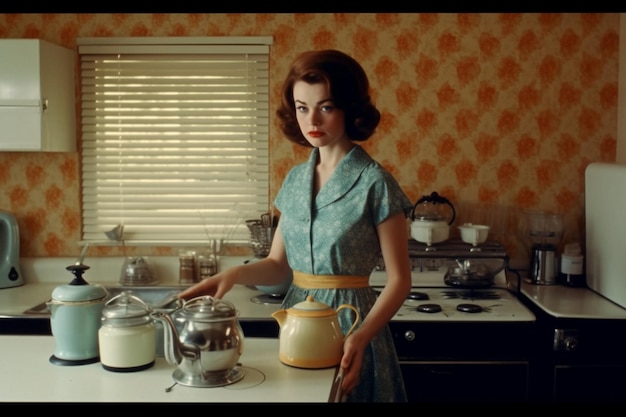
(471, 294)
(415, 295)
(469, 308)
(429, 308)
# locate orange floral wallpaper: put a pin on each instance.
(497, 112)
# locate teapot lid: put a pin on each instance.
(78, 290)
(429, 217)
(311, 308)
(208, 308)
(125, 310)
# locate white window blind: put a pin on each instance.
(174, 137)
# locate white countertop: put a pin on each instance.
(28, 376)
(570, 302)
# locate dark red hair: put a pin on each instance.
(349, 90)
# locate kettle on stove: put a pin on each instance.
(430, 221)
(10, 271)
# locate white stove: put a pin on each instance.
(433, 300)
(474, 355)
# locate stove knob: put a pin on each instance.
(409, 335)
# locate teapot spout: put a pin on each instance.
(171, 341)
(280, 316)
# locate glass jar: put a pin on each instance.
(187, 267)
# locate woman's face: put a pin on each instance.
(320, 121)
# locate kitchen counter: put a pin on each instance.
(43, 275)
(28, 376)
(569, 302)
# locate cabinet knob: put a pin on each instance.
(565, 340)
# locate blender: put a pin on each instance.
(542, 232)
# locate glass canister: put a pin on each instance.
(207, 265)
(187, 267)
(127, 336)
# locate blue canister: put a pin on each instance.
(75, 318)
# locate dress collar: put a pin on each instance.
(342, 179)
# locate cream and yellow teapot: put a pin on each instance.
(310, 335)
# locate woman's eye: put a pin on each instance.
(301, 109)
(327, 108)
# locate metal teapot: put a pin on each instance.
(310, 335)
(429, 222)
(208, 345)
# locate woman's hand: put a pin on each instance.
(351, 361)
(217, 285)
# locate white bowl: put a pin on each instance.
(474, 233)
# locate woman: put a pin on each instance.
(339, 211)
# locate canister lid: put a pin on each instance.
(82, 293)
(78, 290)
(125, 310)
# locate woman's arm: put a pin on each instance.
(270, 270)
(393, 237)
(394, 243)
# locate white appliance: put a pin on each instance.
(10, 270)
(37, 102)
(605, 228)
(460, 343)
(430, 300)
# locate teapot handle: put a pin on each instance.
(434, 197)
(356, 318)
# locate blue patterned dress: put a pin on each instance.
(335, 234)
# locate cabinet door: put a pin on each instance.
(20, 78)
(21, 128)
(586, 383)
(38, 72)
(466, 382)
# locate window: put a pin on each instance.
(174, 137)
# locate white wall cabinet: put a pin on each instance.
(37, 97)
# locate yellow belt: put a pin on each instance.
(311, 281)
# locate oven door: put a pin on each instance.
(464, 361)
(466, 382)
